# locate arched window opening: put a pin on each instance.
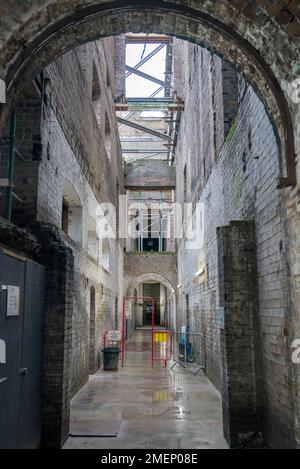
(105, 259)
(93, 240)
(96, 94)
(107, 136)
(72, 212)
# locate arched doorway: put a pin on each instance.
(162, 291)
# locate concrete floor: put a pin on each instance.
(146, 408)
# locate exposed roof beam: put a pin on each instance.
(148, 57)
(166, 104)
(149, 39)
(150, 107)
(153, 150)
(136, 139)
(145, 99)
(146, 76)
(130, 114)
(156, 92)
(143, 129)
(148, 157)
(169, 66)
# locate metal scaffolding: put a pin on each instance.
(169, 105)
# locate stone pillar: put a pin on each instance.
(240, 341)
(59, 263)
(120, 62)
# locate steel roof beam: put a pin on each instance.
(135, 151)
(146, 76)
(148, 57)
(143, 129)
(149, 39)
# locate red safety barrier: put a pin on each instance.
(153, 331)
(104, 339)
(129, 298)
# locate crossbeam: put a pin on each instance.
(135, 151)
(146, 59)
(139, 139)
(146, 99)
(146, 76)
(149, 39)
(143, 129)
(148, 104)
(156, 92)
(151, 107)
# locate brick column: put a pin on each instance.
(59, 262)
(240, 341)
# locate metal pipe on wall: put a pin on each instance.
(11, 161)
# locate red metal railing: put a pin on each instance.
(153, 331)
(130, 298)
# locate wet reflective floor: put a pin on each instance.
(144, 407)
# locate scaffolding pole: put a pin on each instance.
(11, 158)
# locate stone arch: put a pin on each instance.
(133, 282)
(240, 33)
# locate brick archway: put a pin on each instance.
(35, 36)
(132, 283)
(168, 283)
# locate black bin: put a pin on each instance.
(111, 358)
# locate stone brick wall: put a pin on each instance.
(69, 94)
(57, 349)
(45, 246)
(27, 157)
(75, 151)
(242, 394)
(26, 186)
(242, 185)
(159, 265)
(72, 140)
(230, 95)
(120, 62)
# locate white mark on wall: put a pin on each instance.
(292, 90)
(2, 92)
(296, 353)
(2, 352)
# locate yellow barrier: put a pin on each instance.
(160, 337)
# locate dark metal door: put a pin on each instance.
(21, 375)
(32, 357)
(12, 272)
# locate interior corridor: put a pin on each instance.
(146, 408)
(149, 177)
